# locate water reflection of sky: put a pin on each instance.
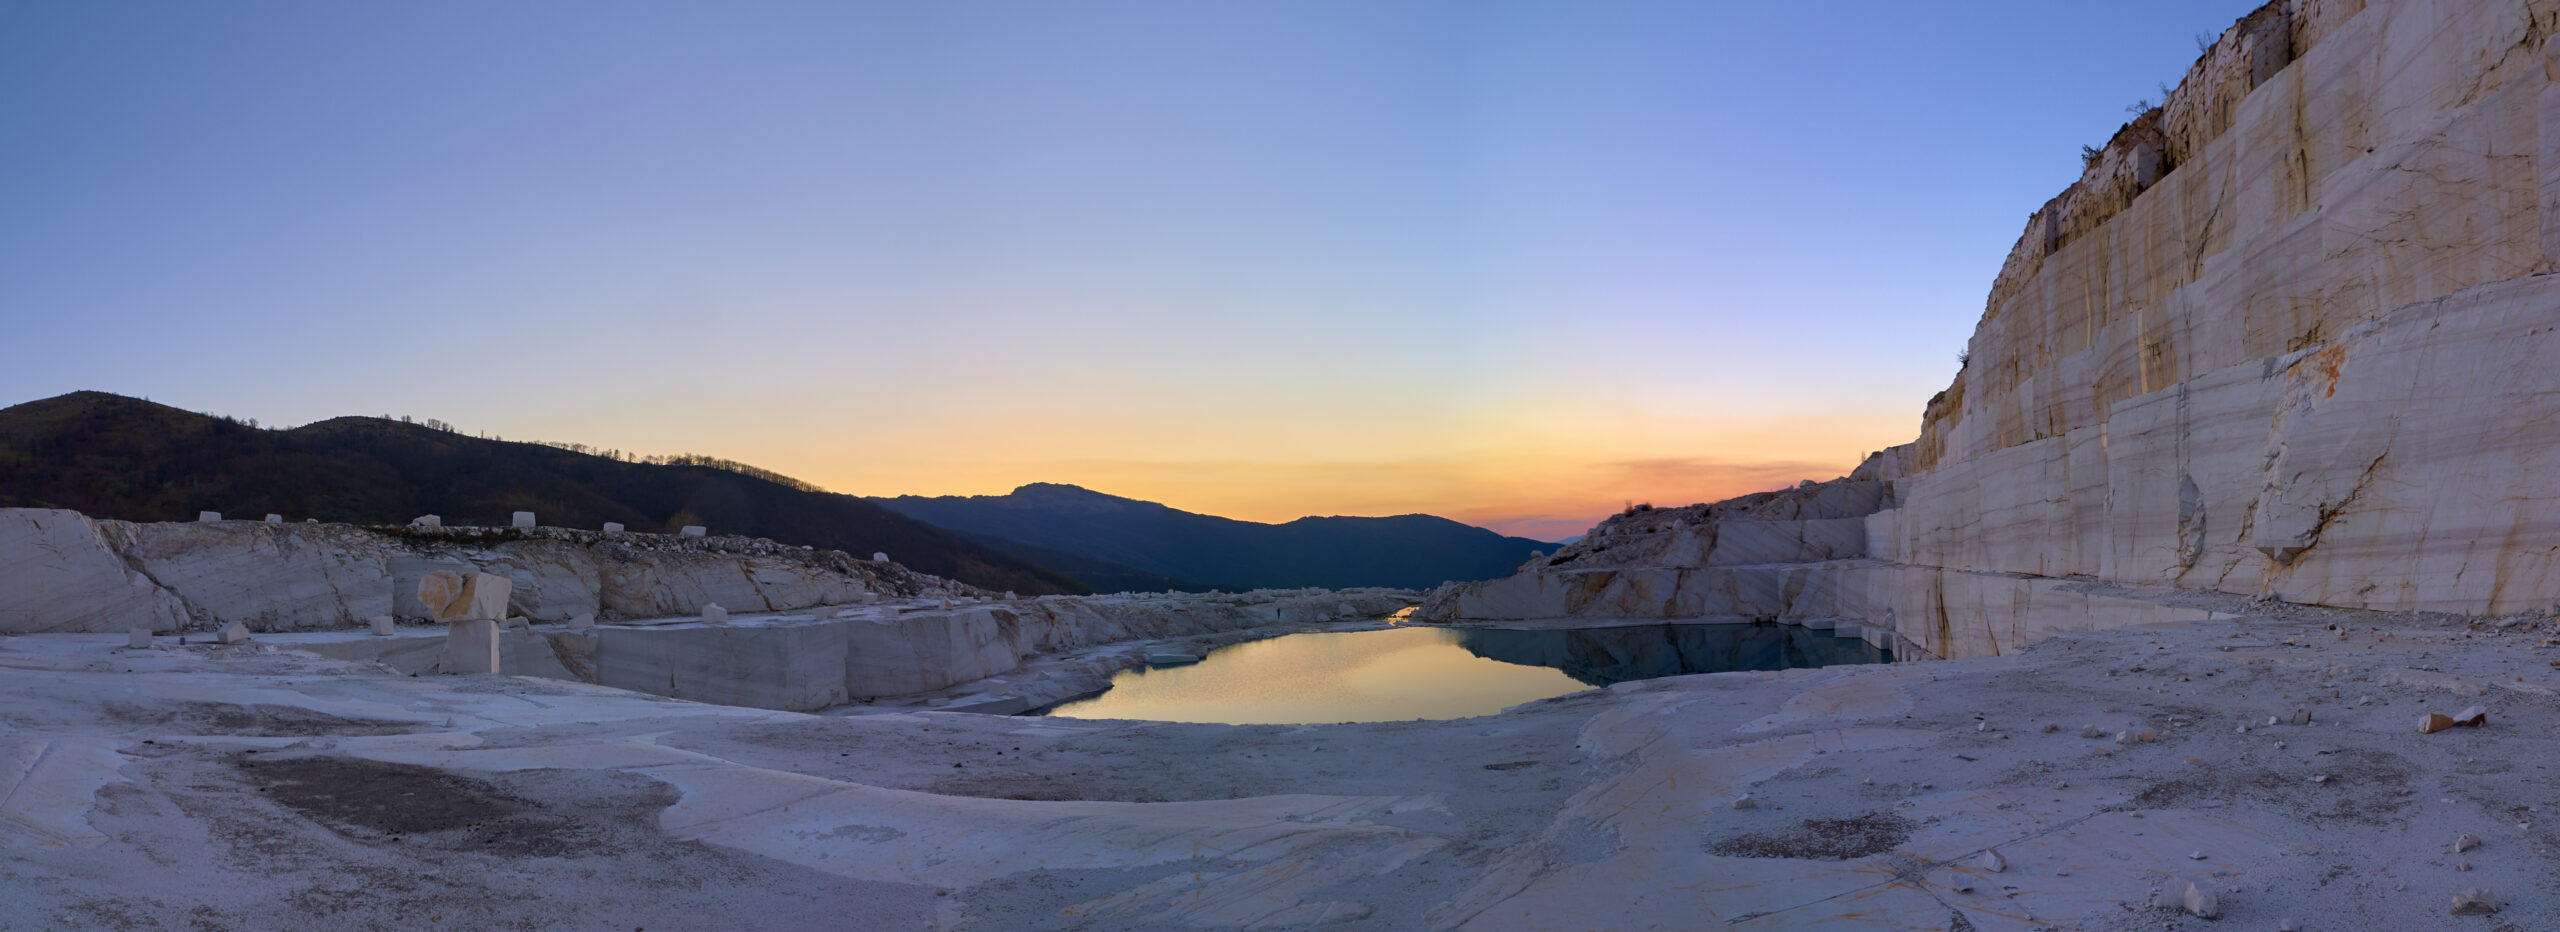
(1351, 676)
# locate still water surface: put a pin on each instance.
(1438, 673)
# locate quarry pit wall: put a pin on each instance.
(2288, 337)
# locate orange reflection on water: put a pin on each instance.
(1353, 676)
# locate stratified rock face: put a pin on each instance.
(58, 573)
(2311, 359)
(803, 663)
(66, 572)
(2290, 334)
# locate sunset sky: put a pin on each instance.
(1512, 263)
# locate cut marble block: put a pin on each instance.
(524, 519)
(208, 516)
(237, 633)
(714, 614)
(141, 637)
(451, 596)
(275, 519)
(427, 521)
(383, 626)
(694, 530)
(406, 573)
(612, 526)
(471, 646)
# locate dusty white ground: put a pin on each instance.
(239, 788)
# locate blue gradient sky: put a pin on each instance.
(1514, 263)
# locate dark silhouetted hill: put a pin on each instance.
(117, 457)
(1412, 551)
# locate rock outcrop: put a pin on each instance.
(2287, 336)
(880, 629)
(805, 661)
(58, 573)
(67, 572)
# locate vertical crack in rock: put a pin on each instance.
(2191, 522)
(2330, 510)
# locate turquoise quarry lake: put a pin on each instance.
(1406, 673)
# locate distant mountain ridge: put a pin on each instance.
(1410, 551)
(116, 457)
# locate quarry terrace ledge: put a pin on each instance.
(733, 621)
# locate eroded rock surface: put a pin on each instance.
(68, 572)
(2287, 336)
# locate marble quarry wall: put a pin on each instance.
(2288, 336)
(814, 628)
(61, 571)
(804, 662)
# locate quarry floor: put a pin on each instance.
(239, 787)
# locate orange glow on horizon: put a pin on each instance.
(1547, 487)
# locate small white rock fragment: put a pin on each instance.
(275, 519)
(2124, 737)
(383, 626)
(2475, 902)
(877, 557)
(2465, 842)
(208, 516)
(141, 637)
(2091, 731)
(2288, 924)
(1745, 801)
(2320, 778)
(715, 614)
(582, 621)
(1992, 861)
(1958, 882)
(2050, 728)
(2195, 898)
(2200, 902)
(2195, 855)
(236, 633)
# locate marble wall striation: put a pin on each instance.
(2287, 337)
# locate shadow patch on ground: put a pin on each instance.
(1822, 839)
(2365, 787)
(262, 721)
(370, 801)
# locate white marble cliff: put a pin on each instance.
(2287, 336)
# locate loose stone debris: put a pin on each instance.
(2475, 902)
